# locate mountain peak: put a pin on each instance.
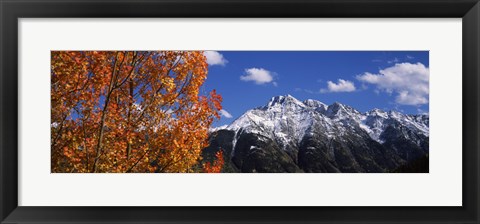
(337, 104)
(341, 111)
(334, 107)
(315, 134)
(282, 100)
(378, 112)
(287, 118)
(314, 103)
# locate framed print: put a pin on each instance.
(246, 112)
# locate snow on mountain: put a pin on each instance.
(288, 120)
(288, 135)
(217, 128)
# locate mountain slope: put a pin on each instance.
(288, 135)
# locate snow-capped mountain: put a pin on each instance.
(288, 135)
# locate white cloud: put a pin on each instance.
(395, 60)
(215, 58)
(409, 81)
(341, 86)
(404, 97)
(257, 75)
(225, 113)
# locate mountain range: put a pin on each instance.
(289, 135)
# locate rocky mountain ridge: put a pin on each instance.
(288, 135)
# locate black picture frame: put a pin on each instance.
(11, 11)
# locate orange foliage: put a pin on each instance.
(129, 111)
(217, 165)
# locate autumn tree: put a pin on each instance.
(215, 166)
(129, 111)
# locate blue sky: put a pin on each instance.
(388, 80)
